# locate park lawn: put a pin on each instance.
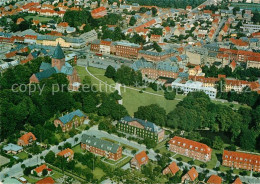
(37, 17)
(133, 99)
(212, 163)
(184, 159)
(77, 149)
(30, 179)
(56, 175)
(3, 160)
(22, 155)
(235, 105)
(98, 173)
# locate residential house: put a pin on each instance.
(156, 38)
(190, 176)
(26, 139)
(171, 169)
(233, 65)
(70, 120)
(47, 180)
(38, 170)
(68, 154)
(189, 148)
(99, 12)
(214, 179)
(12, 148)
(101, 147)
(196, 71)
(241, 160)
(141, 128)
(139, 160)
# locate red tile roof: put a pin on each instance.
(141, 158)
(98, 10)
(241, 157)
(191, 145)
(63, 24)
(103, 42)
(26, 137)
(238, 42)
(47, 180)
(32, 37)
(67, 152)
(40, 168)
(233, 64)
(193, 174)
(10, 54)
(153, 36)
(237, 181)
(174, 168)
(214, 179)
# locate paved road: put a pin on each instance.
(219, 28)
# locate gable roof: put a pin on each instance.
(58, 52)
(40, 168)
(237, 181)
(191, 145)
(147, 124)
(241, 157)
(47, 180)
(12, 147)
(99, 143)
(66, 153)
(193, 174)
(173, 167)
(68, 117)
(45, 66)
(141, 157)
(46, 73)
(27, 136)
(214, 179)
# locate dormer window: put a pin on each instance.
(196, 148)
(190, 146)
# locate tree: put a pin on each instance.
(44, 172)
(157, 47)
(218, 143)
(169, 94)
(154, 11)
(110, 72)
(27, 171)
(247, 140)
(50, 157)
(132, 21)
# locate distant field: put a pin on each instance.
(37, 17)
(3, 160)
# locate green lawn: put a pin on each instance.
(133, 99)
(98, 173)
(30, 179)
(22, 155)
(77, 149)
(56, 175)
(37, 17)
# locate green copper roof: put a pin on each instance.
(58, 53)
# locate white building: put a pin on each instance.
(191, 86)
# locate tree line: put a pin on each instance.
(197, 111)
(22, 109)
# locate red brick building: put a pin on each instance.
(241, 160)
(171, 169)
(125, 49)
(156, 56)
(190, 148)
(70, 120)
(101, 147)
(139, 160)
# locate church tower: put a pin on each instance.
(58, 58)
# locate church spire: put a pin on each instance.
(58, 52)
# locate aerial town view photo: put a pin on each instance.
(129, 91)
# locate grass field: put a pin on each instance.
(37, 17)
(3, 160)
(30, 179)
(22, 155)
(98, 173)
(77, 149)
(133, 99)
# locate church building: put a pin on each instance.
(58, 65)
